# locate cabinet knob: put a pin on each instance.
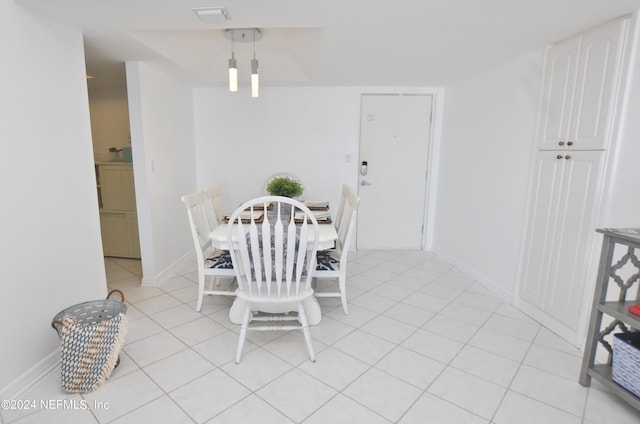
(560, 143)
(567, 157)
(559, 157)
(570, 143)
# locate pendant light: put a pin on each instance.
(233, 70)
(243, 35)
(255, 79)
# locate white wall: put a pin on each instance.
(109, 118)
(242, 141)
(487, 143)
(50, 244)
(162, 134)
(306, 131)
(621, 198)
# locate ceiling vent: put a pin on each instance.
(212, 15)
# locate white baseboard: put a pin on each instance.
(26, 381)
(557, 327)
(168, 273)
(487, 283)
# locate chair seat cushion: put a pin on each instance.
(327, 260)
(221, 259)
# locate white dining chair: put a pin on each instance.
(332, 263)
(273, 261)
(210, 262)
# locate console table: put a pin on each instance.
(619, 268)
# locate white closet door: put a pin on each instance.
(560, 233)
(558, 90)
(597, 79)
(575, 230)
(579, 89)
(541, 228)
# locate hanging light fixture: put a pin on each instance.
(255, 80)
(243, 35)
(233, 70)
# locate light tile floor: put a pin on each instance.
(423, 344)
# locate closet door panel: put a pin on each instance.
(541, 228)
(574, 235)
(600, 57)
(558, 90)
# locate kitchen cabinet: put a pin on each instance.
(581, 79)
(120, 234)
(619, 273)
(116, 187)
(118, 216)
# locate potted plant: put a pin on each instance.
(284, 186)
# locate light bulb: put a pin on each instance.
(233, 73)
(255, 79)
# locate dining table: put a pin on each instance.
(327, 236)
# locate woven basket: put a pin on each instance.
(91, 335)
(626, 361)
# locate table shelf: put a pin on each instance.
(615, 311)
(620, 311)
(602, 374)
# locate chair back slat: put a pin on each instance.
(302, 249)
(267, 246)
(256, 254)
(244, 262)
(291, 248)
(274, 256)
(278, 241)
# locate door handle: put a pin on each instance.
(365, 183)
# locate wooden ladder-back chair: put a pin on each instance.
(211, 262)
(332, 263)
(274, 262)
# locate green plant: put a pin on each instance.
(285, 186)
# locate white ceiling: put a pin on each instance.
(329, 42)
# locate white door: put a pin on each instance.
(561, 230)
(557, 98)
(541, 227)
(579, 88)
(394, 144)
(575, 223)
(597, 79)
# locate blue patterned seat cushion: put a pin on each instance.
(327, 260)
(221, 259)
